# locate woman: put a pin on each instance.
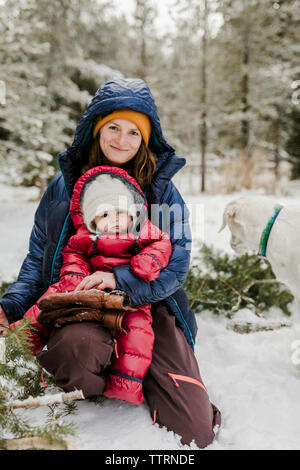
(111, 229)
(121, 128)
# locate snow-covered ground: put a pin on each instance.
(251, 378)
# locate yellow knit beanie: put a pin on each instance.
(141, 120)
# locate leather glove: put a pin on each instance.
(63, 308)
(89, 298)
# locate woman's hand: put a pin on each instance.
(3, 323)
(98, 280)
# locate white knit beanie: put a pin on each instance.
(104, 193)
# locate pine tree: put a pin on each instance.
(25, 66)
(259, 49)
(49, 81)
(20, 384)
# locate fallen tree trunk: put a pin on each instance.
(37, 443)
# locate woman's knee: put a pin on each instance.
(77, 353)
(191, 423)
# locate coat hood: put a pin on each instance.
(87, 182)
(115, 94)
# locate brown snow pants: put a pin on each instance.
(78, 354)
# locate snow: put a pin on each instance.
(17, 207)
(252, 378)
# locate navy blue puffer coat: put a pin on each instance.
(53, 227)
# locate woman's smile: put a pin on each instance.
(120, 141)
(119, 149)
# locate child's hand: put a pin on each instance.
(98, 280)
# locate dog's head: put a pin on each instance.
(246, 218)
(233, 216)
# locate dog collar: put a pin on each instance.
(266, 233)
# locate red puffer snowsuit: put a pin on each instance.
(147, 250)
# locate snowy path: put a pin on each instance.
(251, 378)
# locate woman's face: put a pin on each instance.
(120, 141)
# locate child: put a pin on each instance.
(109, 215)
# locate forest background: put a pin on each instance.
(225, 75)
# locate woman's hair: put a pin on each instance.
(141, 167)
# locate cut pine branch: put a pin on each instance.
(46, 400)
(240, 296)
(248, 327)
(257, 311)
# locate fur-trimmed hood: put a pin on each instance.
(120, 94)
(84, 184)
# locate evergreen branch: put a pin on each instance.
(257, 311)
(21, 387)
(261, 281)
(241, 297)
(200, 288)
(224, 284)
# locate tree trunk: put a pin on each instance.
(36, 443)
(277, 144)
(245, 92)
(203, 121)
(48, 80)
(278, 121)
(141, 19)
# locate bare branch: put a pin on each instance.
(56, 399)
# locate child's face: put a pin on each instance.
(113, 221)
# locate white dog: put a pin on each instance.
(258, 224)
